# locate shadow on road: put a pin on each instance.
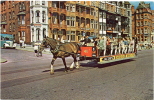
(95, 64)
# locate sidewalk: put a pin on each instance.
(31, 49)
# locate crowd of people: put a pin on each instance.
(112, 46)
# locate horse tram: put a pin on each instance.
(91, 52)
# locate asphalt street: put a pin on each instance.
(25, 76)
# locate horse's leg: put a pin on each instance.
(52, 62)
(75, 62)
(63, 58)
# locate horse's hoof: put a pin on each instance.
(65, 71)
(77, 67)
(71, 69)
(51, 73)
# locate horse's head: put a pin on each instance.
(44, 42)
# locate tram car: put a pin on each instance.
(90, 52)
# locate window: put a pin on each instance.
(13, 15)
(31, 2)
(37, 34)
(72, 21)
(100, 26)
(20, 6)
(44, 32)
(19, 20)
(10, 27)
(43, 16)
(92, 23)
(72, 8)
(71, 35)
(37, 16)
(67, 7)
(145, 22)
(54, 18)
(43, 2)
(24, 7)
(13, 3)
(23, 20)
(138, 31)
(54, 4)
(67, 20)
(96, 24)
(37, 2)
(9, 15)
(128, 13)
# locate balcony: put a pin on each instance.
(63, 26)
(83, 14)
(63, 11)
(87, 16)
(52, 9)
(77, 13)
(92, 16)
(54, 26)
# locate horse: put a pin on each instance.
(61, 50)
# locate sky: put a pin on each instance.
(135, 3)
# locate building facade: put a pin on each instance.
(142, 18)
(69, 20)
(152, 34)
(38, 20)
(15, 19)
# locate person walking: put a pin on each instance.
(135, 44)
(36, 47)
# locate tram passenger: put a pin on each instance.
(121, 46)
(101, 46)
(86, 40)
(125, 45)
(131, 46)
(114, 46)
(95, 41)
(111, 43)
(108, 46)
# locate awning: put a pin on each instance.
(125, 33)
(3, 23)
(21, 13)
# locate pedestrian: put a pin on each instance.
(20, 43)
(135, 45)
(36, 47)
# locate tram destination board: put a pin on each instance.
(113, 58)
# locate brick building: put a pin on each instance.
(15, 19)
(152, 34)
(142, 20)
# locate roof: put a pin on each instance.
(143, 5)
